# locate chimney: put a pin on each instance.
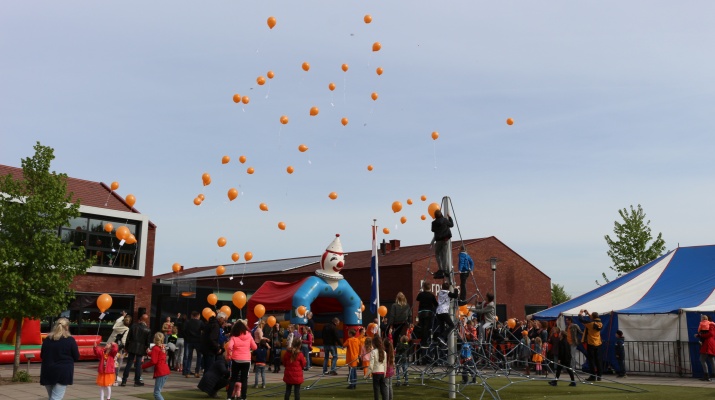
(384, 248)
(394, 244)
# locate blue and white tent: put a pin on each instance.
(658, 302)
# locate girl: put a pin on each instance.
(294, 362)
(307, 345)
(106, 373)
(158, 361)
(365, 356)
(537, 358)
(261, 359)
(525, 350)
(390, 372)
(277, 345)
(378, 366)
(238, 351)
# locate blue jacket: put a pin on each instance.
(465, 262)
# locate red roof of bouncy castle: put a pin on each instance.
(278, 296)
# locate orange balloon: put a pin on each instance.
(302, 148)
(385, 231)
(131, 200)
(176, 267)
(245, 99)
(511, 323)
(225, 159)
(300, 311)
(271, 321)
(409, 201)
(236, 98)
(207, 313)
(221, 241)
(261, 80)
(206, 178)
(242, 159)
(115, 185)
(367, 18)
(122, 233)
(345, 67)
(270, 74)
(435, 135)
(432, 208)
(423, 217)
(197, 201)
(131, 239)
(202, 197)
(344, 121)
(220, 270)
(263, 207)
(284, 119)
(239, 299)
(423, 197)
(376, 46)
(464, 310)
(271, 22)
(369, 168)
(259, 310)
(382, 310)
(379, 70)
(226, 310)
(362, 306)
(331, 86)
(282, 225)
(290, 169)
(250, 171)
(232, 194)
(108, 227)
(306, 66)
(314, 111)
(235, 257)
(248, 256)
(403, 220)
(212, 299)
(509, 121)
(104, 301)
(333, 195)
(396, 206)
(374, 96)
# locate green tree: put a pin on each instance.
(631, 250)
(36, 268)
(558, 294)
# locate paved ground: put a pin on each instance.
(85, 388)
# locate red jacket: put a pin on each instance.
(106, 360)
(293, 373)
(158, 360)
(708, 339)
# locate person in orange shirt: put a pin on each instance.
(372, 328)
(352, 357)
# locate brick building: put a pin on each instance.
(124, 271)
(522, 289)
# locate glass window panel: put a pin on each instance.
(79, 222)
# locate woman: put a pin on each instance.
(238, 351)
(400, 317)
(707, 350)
(59, 352)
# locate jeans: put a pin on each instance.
(158, 385)
(296, 389)
(402, 366)
(239, 372)
(260, 370)
(179, 352)
(574, 362)
(379, 387)
(332, 350)
(56, 392)
(305, 349)
(352, 376)
(705, 360)
(137, 360)
(388, 383)
(440, 251)
(189, 348)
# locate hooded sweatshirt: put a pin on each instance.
(239, 347)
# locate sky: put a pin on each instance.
(612, 104)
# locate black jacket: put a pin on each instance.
(441, 226)
(192, 331)
(139, 339)
(210, 344)
(330, 335)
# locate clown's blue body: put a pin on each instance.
(315, 287)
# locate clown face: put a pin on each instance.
(332, 262)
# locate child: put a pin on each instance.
(525, 350)
(468, 366)
(470, 332)
(537, 358)
(402, 362)
(158, 361)
(294, 362)
(261, 355)
(106, 371)
(277, 350)
(365, 355)
(378, 367)
(171, 348)
(443, 315)
(621, 354)
(352, 357)
(390, 372)
(307, 345)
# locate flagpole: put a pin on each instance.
(377, 273)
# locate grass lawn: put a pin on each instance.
(336, 389)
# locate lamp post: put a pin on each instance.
(493, 262)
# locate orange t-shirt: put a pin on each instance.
(352, 351)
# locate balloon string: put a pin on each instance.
(332, 104)
(108, 195)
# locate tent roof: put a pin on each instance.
(682, 279)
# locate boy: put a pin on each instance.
(352, 357)
(620, 354)
(402, 360)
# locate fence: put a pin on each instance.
(658, 358)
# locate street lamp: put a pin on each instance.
(493, 262)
